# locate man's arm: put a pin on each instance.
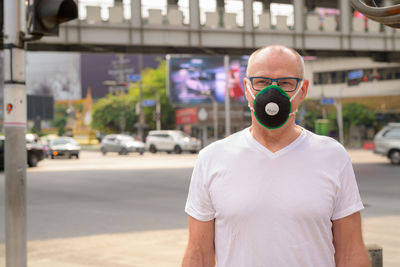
(200, 251)
(347, 240)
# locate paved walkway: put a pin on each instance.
(166, 248)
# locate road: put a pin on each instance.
(128, 210)
(106, 194)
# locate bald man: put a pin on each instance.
(274, 194)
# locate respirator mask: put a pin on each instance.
(272, 106)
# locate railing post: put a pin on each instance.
(375, 254)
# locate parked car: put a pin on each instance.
(45, 140)
(171, 141)
(387, 142)
(121, 143)
(35, 151)
(64, 146)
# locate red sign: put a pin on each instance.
(186, 116)
(9, 108)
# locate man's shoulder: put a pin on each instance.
(324, 143)
(225, 145)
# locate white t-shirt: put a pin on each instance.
(273, 209)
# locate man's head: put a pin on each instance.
(276, 62)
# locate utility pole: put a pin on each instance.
(215, 116)
(227, 98)
(339, 117)
(141, 115)
(43, 19)
(158, 111)
(15, 129)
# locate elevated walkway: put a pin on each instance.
(163, 31)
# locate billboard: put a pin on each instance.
(40, 107)
(201, 79)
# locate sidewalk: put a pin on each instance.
(165, 248)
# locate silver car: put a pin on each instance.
(171, 141)
(64, 146)
(121, 143)
(387, 142)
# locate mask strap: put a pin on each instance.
(293, 113)
(252, 95)
(297, 92)
(293, 97)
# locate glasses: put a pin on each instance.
(288, 84)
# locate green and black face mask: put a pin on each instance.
(272, 106)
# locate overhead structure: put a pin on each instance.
(390, 16)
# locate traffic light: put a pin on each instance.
(44, 16)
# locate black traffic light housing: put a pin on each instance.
(44, 16)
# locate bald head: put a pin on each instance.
(275, 51)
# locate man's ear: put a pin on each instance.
(304, 90)
(246, 89)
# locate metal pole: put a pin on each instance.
(215, 113)
(121, 74)
(158, 111)
(15, 129)
(227, 98)
(340, 119)
(141, 115)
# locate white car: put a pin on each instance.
(171, 141)
(121, 143)
(387, 142)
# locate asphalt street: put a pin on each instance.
(135, 205)
(105, 194)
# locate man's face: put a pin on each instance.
(276, 64)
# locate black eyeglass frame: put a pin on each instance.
(277, 82)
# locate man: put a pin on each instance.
(274, 194)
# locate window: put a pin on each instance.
(392, 134)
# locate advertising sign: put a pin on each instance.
(202, 79)
(186, 116)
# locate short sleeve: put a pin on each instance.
(348, 200)
(198, 204)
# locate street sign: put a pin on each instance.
(118, 72)
(134, 77)
(357, 74)
(354, 77)
(327, 101)
(149, 102)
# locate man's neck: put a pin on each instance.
(276, 139)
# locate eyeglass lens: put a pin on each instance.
(288, 84)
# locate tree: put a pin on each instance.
(117, 113)
(153, 82)
(354, 114)
(60, 118)
(313, 111)
(114, 114)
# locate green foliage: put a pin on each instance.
(114, 114)
(60, 118)
(354, 114)
(109, 111)
(313, 112)
(153, 82)
(35, 131)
